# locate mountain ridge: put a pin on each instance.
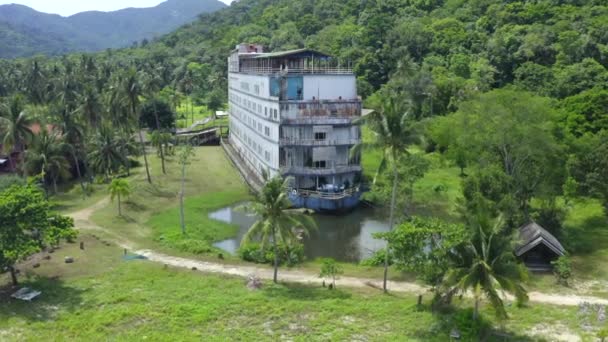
(25, 32)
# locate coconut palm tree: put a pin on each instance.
(119, 188)
(46, 156)
(105, 152)
(132, 90)
(393, 133)
(151, 84)
(277, 222)
(73, 132)
(15, 127)
(89, 106)
(485, 265)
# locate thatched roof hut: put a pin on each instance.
(538, 247)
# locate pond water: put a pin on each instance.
(345, 237)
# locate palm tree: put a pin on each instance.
(90, 106)
(485, 264)
(119, 188)
(151, 85)
(276, 223)
(46, 156)
(393, 132)
(15, 127)
(184, 160)
(132, 91)
(105, 152)
(73, 134)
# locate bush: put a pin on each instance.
(562, 268)
(10, 180)
(194, 246)
(377, 259)
(469, 328)
(288, 255)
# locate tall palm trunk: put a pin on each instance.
(143, 150)
(141, 142)
(11, 163)
(276, 256)
(162, 153)
(13, 275)
(181, 201)
(391, 222)
(79, 174)
(192, 110)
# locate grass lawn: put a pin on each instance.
(70, 198)
(189, 110)
(151, 215)
(102, 297)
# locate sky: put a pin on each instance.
(69, 7)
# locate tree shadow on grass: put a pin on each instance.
(303, 292)
(56, 296)
(134, 206)
(451, 320)
(156, 191)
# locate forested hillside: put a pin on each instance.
(26, 32)
(435, 55)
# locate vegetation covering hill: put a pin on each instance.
(509, 98)
(26, 32)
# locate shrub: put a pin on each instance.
(377, 259)
(330, 269)
(194, 246)
(10, 180)
(562, 268)
(288, 255)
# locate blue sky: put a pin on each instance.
(69, 7)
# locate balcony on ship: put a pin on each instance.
(300, 61)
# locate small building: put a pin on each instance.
(538, 247)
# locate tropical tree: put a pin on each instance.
(90, 107)
(46, 156)
(132, 91)
(73, 133)
(331, 269)
(105, 152)
(277, 222)
(393, 132)
(184, 160)
(119, 188)
(15, 127)
(485, 264)
(27, 225)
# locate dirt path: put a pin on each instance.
(82, 220)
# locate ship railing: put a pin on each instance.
(315, 70)
(317, 142)
(320, 171)
(332, 195)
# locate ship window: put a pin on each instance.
(321, 164)
(320, 135)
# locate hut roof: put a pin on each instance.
(532, 235)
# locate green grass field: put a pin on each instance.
(151, 212)
(103, 297)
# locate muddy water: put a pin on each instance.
(346, 237)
